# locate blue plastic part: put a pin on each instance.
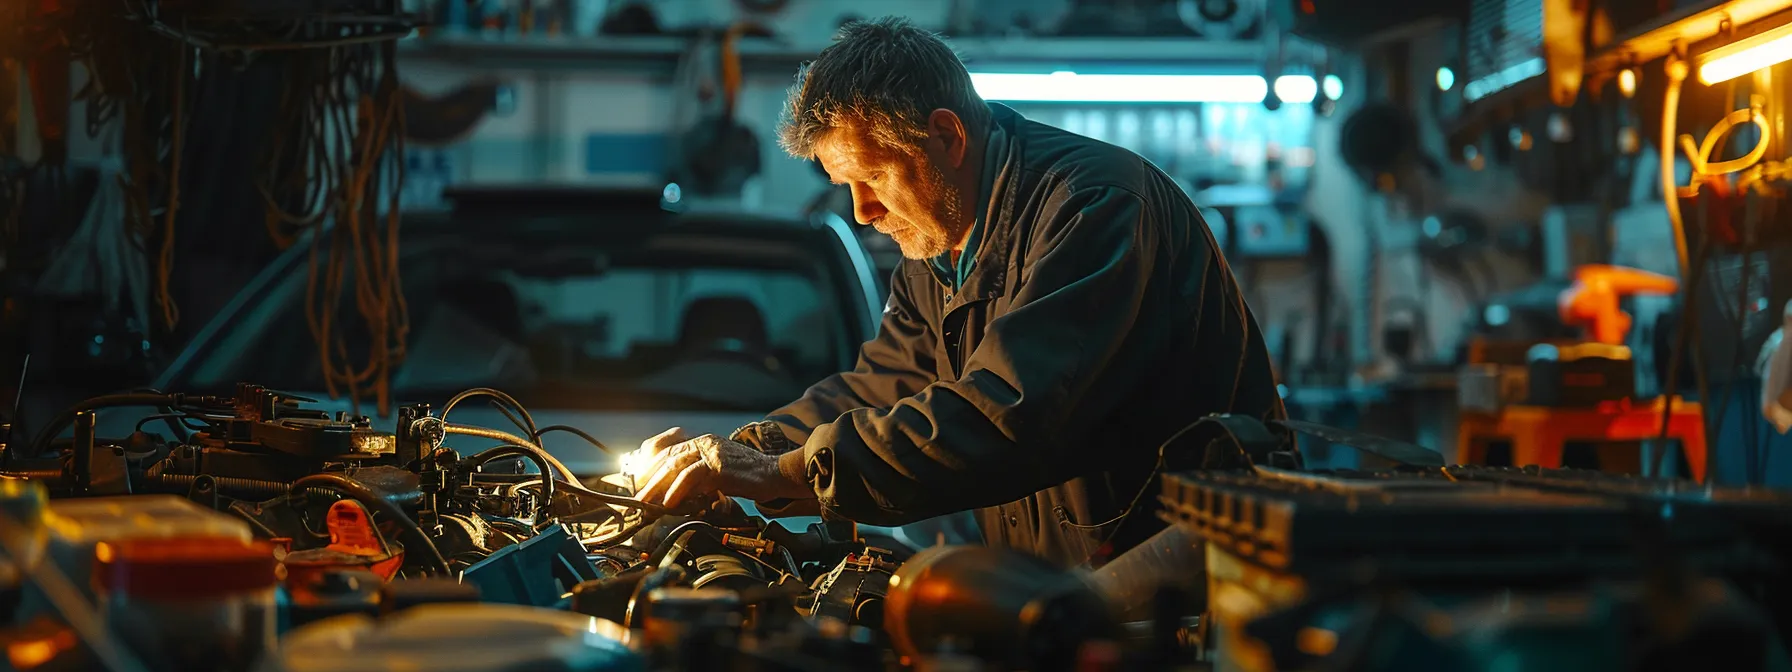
(539, 572)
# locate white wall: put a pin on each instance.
(544, 139)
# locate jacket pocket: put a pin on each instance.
(1086, 541)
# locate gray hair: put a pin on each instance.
(886, 75)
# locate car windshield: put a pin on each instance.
(675, 323)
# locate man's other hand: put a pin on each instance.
(711, 463)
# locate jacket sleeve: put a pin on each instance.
(1045, 373)
(894, 364)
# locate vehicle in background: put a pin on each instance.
(599, 310)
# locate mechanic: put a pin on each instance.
(1061, 313)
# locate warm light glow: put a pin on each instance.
(1735, 60)
(1315, 642)
(1070, 87)
(632, 463)
(31, 653)
(1627, 82)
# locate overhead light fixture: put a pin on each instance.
(1747, 55)
(1070, 87)
(1504, 79)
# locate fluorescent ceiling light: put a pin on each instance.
(1502, 80)
(1748, 55)
(1069, 87)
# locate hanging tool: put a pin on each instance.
(720, 154)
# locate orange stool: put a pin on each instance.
(1538, 433)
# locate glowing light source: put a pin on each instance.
(1747, 55)
(635, 462)
(1627, 82)
(1446, 79)
(1070, 87)
(1296, 89)
(1334, 87)
(1502, 80)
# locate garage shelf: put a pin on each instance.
(636, 51)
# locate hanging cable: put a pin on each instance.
(337, 147)
(1706, 174)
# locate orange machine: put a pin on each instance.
(1539, 424)
(1593, 300)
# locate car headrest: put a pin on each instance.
(724, 322)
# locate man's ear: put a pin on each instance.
(945, 127)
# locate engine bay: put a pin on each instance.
(341, 545)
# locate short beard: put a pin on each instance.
(926, 241)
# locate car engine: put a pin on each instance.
(256, 532)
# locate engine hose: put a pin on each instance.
(572, 481)
(504, 399)
(507, 438)
(676, 540)
(536, 455)
(48, 434)
(367, 497)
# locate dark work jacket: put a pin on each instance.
(1097, 322)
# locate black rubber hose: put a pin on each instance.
(535, 455)
(684, 529)
(67, 416)
(575, 432)
(367, 497)
(572, 483)
(495, 394)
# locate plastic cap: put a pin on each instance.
(185, 568)
(22, 501)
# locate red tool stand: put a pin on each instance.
(1538, 433)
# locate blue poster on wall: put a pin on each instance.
(625, 154)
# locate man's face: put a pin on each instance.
(904, 195)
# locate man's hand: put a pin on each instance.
(640, 464)
(710, 463)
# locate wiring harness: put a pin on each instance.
(330, 173)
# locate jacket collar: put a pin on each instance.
(996, 232)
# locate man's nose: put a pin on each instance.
(865, 206)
